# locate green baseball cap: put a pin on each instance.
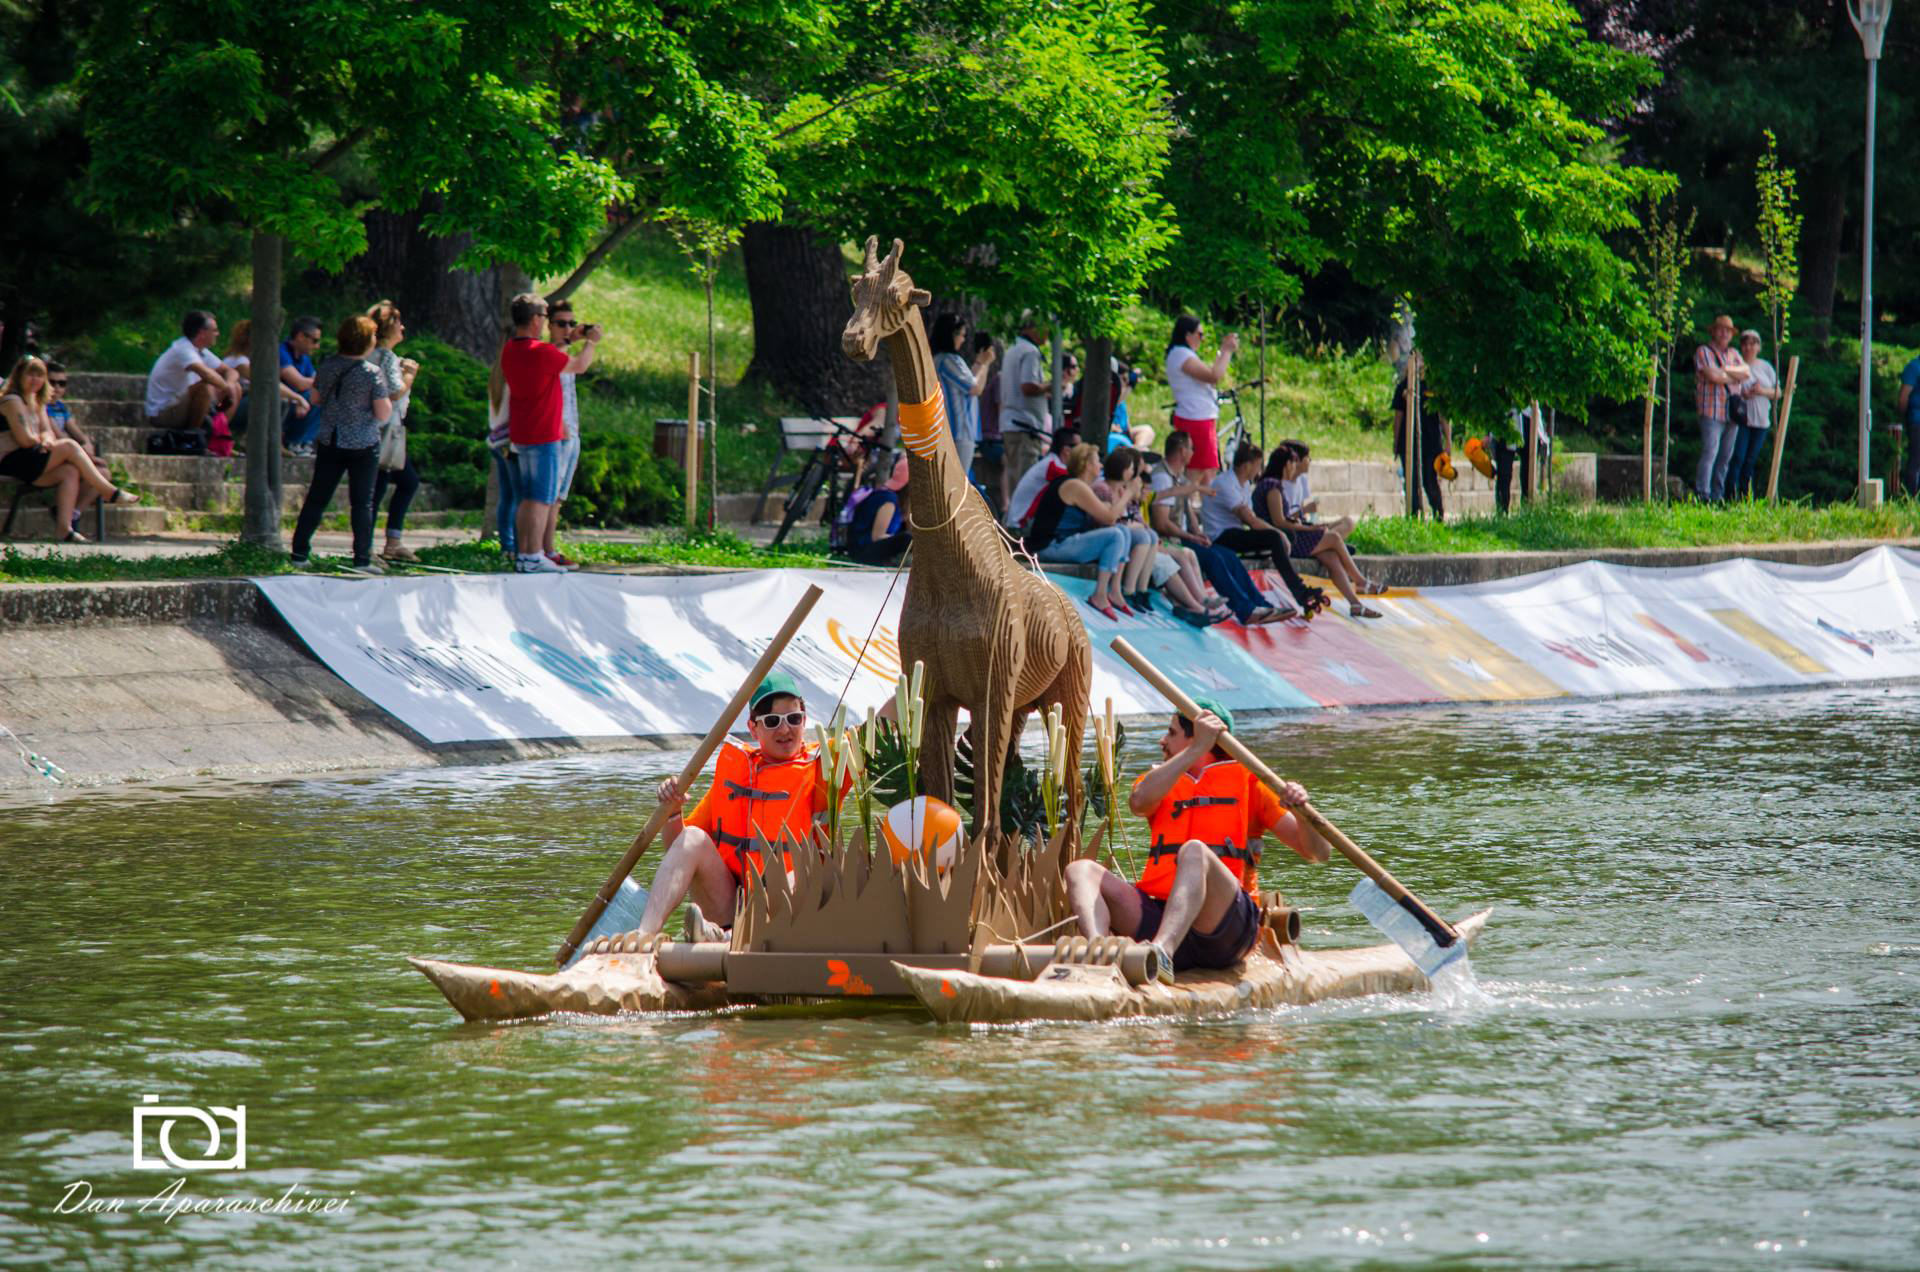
(778, 684)
(1217, 707)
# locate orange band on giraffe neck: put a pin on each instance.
(923, 424)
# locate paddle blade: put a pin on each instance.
(621, 915)
(1399, 925)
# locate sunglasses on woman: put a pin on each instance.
(773, 721)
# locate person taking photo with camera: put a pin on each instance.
(532, 369)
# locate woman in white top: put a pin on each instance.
(33, 452)
(1760, 390)
(1196, 405)
(397, 374)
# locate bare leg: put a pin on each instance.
(1189, 564)
(1346, 558)
(1176, 588)
(1336, 570)
(1203, 891)
(1139, 568)
(530, 526)
(64, 495)
(1102, 901)
(200, 399)
(691, 864)
(553, 524)
(66, 452)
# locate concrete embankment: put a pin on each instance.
(177, 681)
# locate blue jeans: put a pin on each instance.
(1748, 447)
(299, 432)
(1105, 545)
(540, 471)
(1716, 452)
(569, 463)
(1228, 574)
(508, 472)
(406, 484)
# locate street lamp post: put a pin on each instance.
(1870, 20)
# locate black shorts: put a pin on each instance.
(1225, 946)
(25, 465)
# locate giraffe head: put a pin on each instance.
(883, 296)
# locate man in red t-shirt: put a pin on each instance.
(532, 369)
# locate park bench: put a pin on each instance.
(23, 492)
(799, 435)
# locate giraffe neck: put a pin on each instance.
(936, 488)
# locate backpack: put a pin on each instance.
(220, 439)
(176, 441)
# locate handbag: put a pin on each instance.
(176, 441)
(393, 447)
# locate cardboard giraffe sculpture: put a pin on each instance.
(996, 638)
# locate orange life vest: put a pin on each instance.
(1211, 808)
(756, 796)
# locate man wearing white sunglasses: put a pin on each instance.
(770, 790)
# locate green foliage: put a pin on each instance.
(1023, 809)
(619, 482)
(1777, 222)
(1551, 525)
(1444, 150)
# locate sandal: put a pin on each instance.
(74, 536)
(1364, 611)
(120, 496)
(1371, 587)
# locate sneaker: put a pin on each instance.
(373, 566)
(562, 560)
(536, 565)
(299, 562)
(1193, 618)
(700, 928)
(398, 551)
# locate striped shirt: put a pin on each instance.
(1709, 399)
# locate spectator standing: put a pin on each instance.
(397, 374)
(1195, 385)
(297, 420)
(1024, 385)
(1717, 369)
(961, 384)
(506, 469)
(188, 381)
(535, 425)
(562, 330)
(989, 461)
(1758, 392)
(1170, 513)
(1907, 413)
(1074, 525)
(1228, 519)
(33, 453)
(355, 403)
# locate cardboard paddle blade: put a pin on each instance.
(1399, 925)
(621, 915)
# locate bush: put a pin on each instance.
(619, 482)
(447, 422)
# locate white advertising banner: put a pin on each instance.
(480, 657)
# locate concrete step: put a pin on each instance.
(741, 508)
(222, 496)
(35, 522)
(203, 468)
(93, 414)
(112, 385)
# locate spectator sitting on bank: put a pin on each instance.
(354, 403)
(297, 420)
(1033, 482)
(397, 374)
(188, 382)
(1149, 566)
(1300, 492)
(1073, 525)
(1272, 498)
(1120, 431)
(535, 426)
(878, 533)
(33, 452)
(1170, 513)
(60, 415)
(1758, 392)
(1717, 370)
(961, 384)
(1228, 519)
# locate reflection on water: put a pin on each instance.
(1693, 1043)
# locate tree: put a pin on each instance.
(283, 116)
(1777, 224)
(1448, 151)
(1663, 251)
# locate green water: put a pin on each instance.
(1700, 1045)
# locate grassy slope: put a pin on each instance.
(1553, 526)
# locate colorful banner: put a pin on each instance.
(592, 655)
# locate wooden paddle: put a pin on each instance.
(701, 753)
(1441, 931)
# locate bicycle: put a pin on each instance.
(836, 466)
(1238, 434)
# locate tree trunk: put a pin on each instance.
(801, 295)
(1096, 393)
(414, 269)
(260, 525)
(1826, 220)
